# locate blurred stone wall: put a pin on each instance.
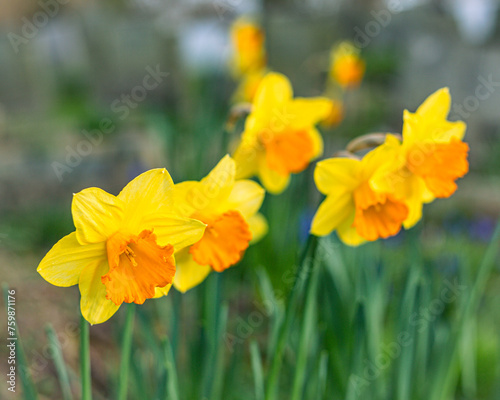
(104, 49)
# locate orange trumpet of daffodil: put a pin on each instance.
(279, 136)
(430, 158)
(352, 207)
(123, 247)
(229, 209)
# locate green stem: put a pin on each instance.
(126, 351)
(272, 382)
(85, 360)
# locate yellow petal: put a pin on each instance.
(416, 194)
(246, 197)
(258, 226)
(188, 197)
(149, 193)
(347, 233)
(172, 229)
(160, 292)
(306, 112)
(246, 157)
(189, 273)
(274, 182)
(334, 210)
(418, 129)
(64, 263)
(219, 182)
(96, 215)
(269, 106)
(337, 174)
(378, 158)
(274, 90)
(94, 305)
(317, 141)
(437, 105)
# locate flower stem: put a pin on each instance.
(85, 360)
(126, 351)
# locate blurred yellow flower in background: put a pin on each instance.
(249, 53)
(352, 207)
(229, 208)
(247, 88)
(279, 136)
(335, 115)
(431, 157)
(123, 247)
(347, 67)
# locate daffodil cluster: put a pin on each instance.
(155, 234)
(375, 196)
(132, 247)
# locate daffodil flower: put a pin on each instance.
(279, 137)
(248, 44)
(431, 157)
(123, 247)
(352, 207)
(347, 67)
(229, 209)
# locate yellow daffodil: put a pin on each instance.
(347, 67)
(352, 207)
(248, 43)
(123, 247)
(279, 136)
(229, 209)
(430, 158)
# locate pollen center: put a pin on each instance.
(225, 239)
(288, 152)
(378, 215)
(137, 265)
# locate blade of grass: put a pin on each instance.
(442, 385)
(302, 274)
(308, 326)
(29, 389)
(58, 358)
(218, 374)
(258, 375)
(172, 389)
(322, 376)
(85, 376)
(125, 352)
